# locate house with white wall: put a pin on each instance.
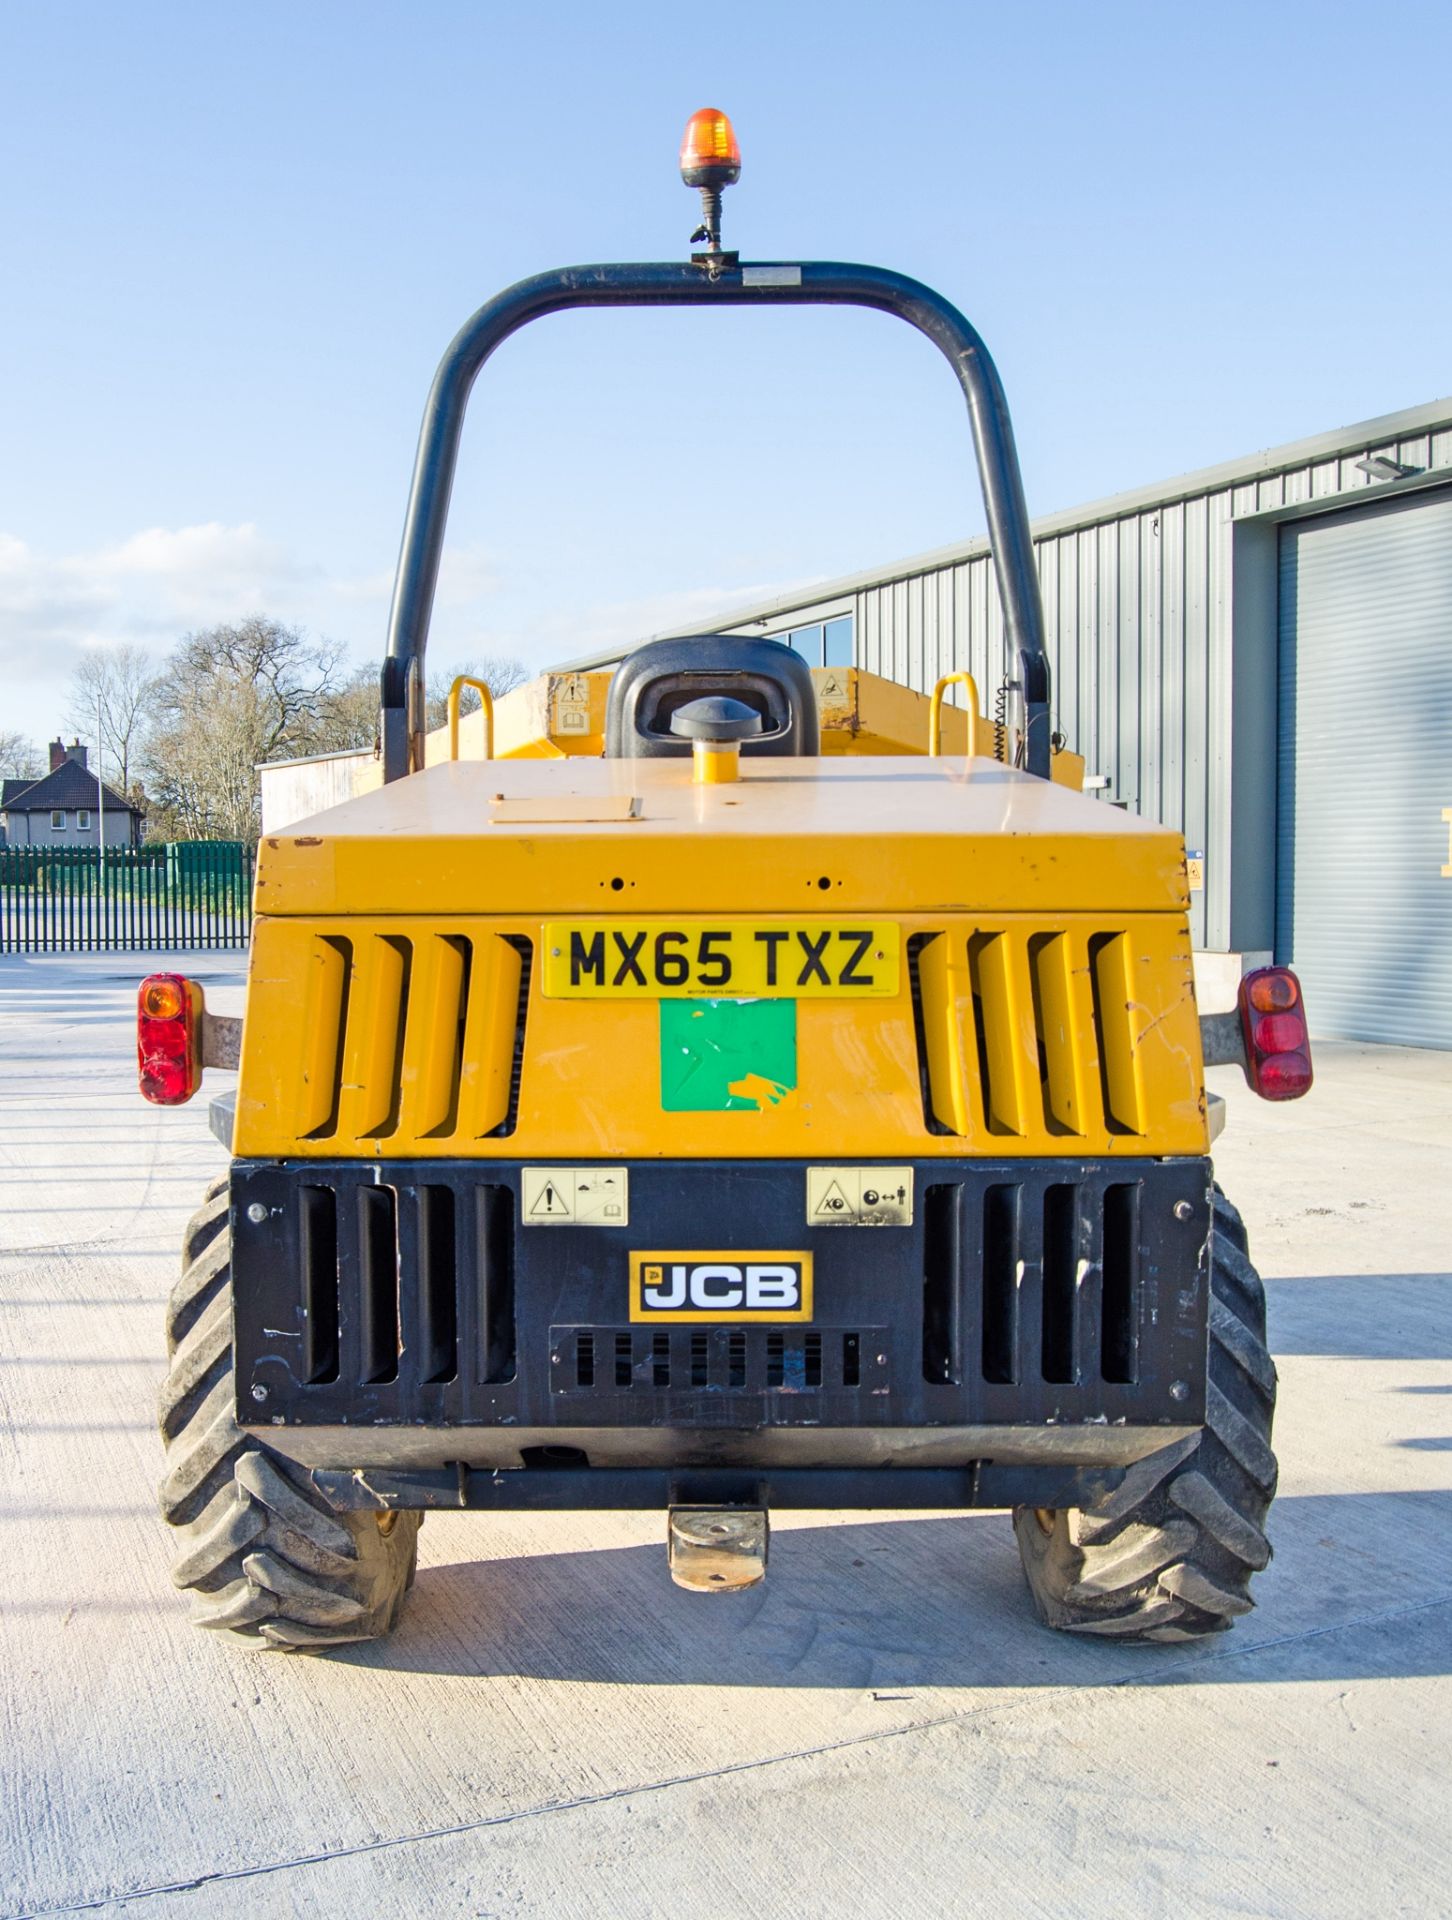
(64, 808)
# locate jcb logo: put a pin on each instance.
(720, 1286)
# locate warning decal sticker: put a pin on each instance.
(575, 1196)
(859, 1196)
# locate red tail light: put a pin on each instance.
(1277, 1046)
(168, 1038)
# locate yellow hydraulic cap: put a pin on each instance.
(714, 764)
(715, 727)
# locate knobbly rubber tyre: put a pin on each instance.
(268, 1559)
(1169, 1555)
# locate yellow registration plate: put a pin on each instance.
(736, 960)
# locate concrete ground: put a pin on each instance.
(882, 1729)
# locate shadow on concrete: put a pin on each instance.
(1380, 1316)
(904, 1604)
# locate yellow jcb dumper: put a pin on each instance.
(706, 1122)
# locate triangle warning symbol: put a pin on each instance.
(834, 1202)
(551, 1204)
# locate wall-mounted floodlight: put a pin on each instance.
(1380, 466)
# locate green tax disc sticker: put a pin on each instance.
(727, 1056)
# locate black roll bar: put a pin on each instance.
(810, 283)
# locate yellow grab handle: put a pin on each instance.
(935, 712)
(486, 700)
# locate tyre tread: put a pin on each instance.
(264, 1554)
(1169, 1554)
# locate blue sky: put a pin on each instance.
(236, 241)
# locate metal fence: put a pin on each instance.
(164, 898)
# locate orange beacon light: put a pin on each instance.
(710, 156)
(711, 161)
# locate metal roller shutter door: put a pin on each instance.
(1365, 769)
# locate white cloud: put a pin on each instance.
(42, 603)
(375, 588)
(158, 583)
(623, 623)
(467, 575)
(185, 560)
(150, 589)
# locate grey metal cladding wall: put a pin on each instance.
(1139, 646)
(1138, 615)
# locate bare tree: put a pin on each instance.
(291, 675)
(19, 758)
(201, 767)
(231, 697)
(499, 674)
(112, 687)
(349, 716)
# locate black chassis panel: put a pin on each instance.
(477, 1326)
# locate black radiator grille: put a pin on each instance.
(1032, 1284)
(1072, 1293)
(383, 1273)
(786, 1360)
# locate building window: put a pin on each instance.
(83, 818)
(827, 643)
(57, 820)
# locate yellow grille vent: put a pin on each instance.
(410, 1039)
(1065, 1031)
(1012, 1037)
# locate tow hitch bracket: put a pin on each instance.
(717, 1549)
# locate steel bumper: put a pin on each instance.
(1034, 1329)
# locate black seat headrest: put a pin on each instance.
(655, 682)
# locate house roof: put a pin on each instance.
(71, 785)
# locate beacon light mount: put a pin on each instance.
(710, 162)
(711, 279)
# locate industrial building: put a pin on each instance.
(1259, 654)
